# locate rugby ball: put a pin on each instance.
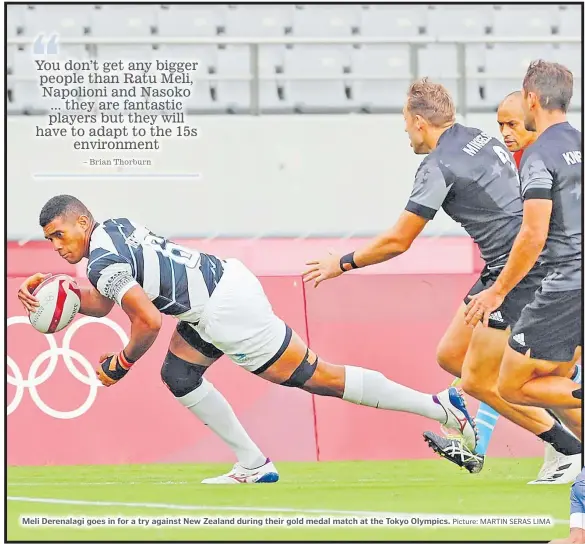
(59, 301)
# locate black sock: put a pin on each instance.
(578, 393)
(561, 440)
(553, 415)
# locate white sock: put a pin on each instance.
(211, 407)
(371, 388)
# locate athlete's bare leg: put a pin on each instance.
(480, 378)
(535, 382)
(571, 417)
(300, 367)
(454, 343)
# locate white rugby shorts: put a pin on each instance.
(238, 319)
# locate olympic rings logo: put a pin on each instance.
(87, 377)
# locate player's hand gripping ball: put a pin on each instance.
(54, 302)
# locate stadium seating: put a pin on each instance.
(570, 55)
(319, 62)
(469, 21)
(46, 19)
(395, 21)
(439, 62)
(14, 19)
(570, 21)
(359, 77)
(201, 99)
(391, 64)
(178, 20)
(518, 21)
(506, 63)
(122, 21)
(319, 21)
(234, 95)
(259, 21)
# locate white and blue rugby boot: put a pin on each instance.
(458, 417)
(265, 474)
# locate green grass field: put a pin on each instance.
(348, 488)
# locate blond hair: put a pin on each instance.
(432, 102)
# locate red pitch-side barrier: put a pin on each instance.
(57, 416)
(391, 323)
(388, 318)
(277, 256)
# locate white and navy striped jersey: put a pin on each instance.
(179, 281)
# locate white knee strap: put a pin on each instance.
(354, 384)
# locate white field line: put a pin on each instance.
(155, 482)
(17, 482)
(191, 507)
(73, 484)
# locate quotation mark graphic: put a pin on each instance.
(51, 47)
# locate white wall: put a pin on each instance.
(271, 175)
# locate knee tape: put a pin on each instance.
(302, 373)
(180, 376)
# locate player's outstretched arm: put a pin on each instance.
(428, 194)
(393, 242)
(386, 246)
(525, 252)
(146, 322)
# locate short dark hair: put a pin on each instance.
(62, 205)
(551, 82)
